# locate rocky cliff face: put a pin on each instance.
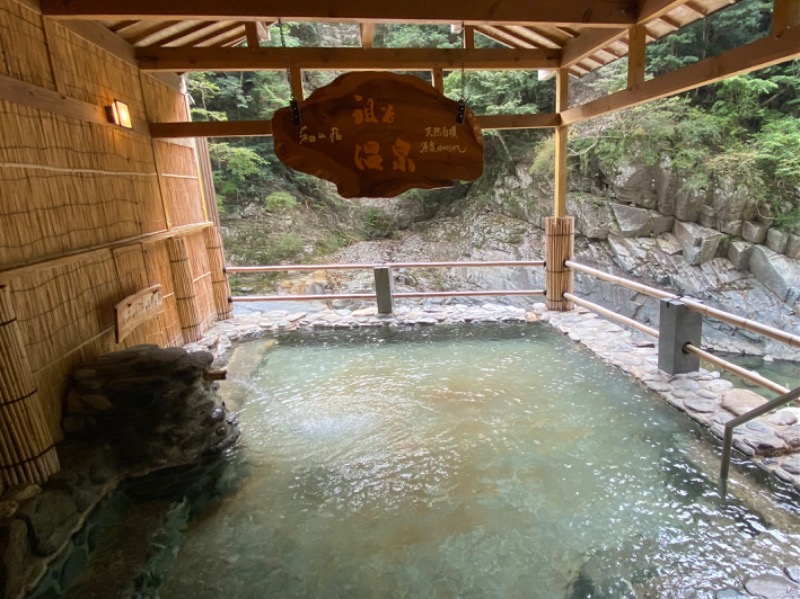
(711, 245)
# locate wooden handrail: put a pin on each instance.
(369, 265)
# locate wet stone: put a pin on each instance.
(731, 594)
(793, 572)
(764, 443)
(792, 464)
(772, 586)
(791, 435)
(699, 404)
(740, 401)
(783, 418)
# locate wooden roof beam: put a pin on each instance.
(598, 13)
(653, 9)
(750, 57)
(532, 36)
(210, 38)
(259, 128)
(182, 33)
(322, 59)
(503, 37)
(144, 36)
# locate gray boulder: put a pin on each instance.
(754, 232)
(739, 254)
(792, 249)
(777, 240)
(777, 273)
(699, 243)
(632, 221)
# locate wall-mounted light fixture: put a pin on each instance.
(119, 114)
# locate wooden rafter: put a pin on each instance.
(599, 13)
(244, 59)
(183, 33)
(122, 25)
(145, 34)
(503, 37)
(587, 44)
(757, 55)
(532, 36)
(260, 128)
(212, 36)
(234, 39)
(251, 34)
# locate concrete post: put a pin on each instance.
(383, 289)
(678, 326)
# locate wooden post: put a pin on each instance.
(219, 280)
(559, 241)
(562, 133)
(186, 299)
(559, 228)
(27, 452)
(296, 76)
(637, 55)
(785, 14)
(438, 80)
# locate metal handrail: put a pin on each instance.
(369, 265)
(739, 420)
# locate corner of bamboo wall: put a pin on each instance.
(219, 280)
(27, 448)
(191, 321)
(559, 246)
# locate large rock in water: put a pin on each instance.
(156, 407)
(778, 273)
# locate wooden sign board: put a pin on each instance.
(135, 309)
(378, 134)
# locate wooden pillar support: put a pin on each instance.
(27, 452)
(637, 55)
(438, 80)
(562, 133)
(785, 14)
(188, 313)
(296, 76)
(219, 280)
(559, 241)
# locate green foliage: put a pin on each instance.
(375, 225)
(544, 162)
(778, 147)
(416, 36)
(279, 201)
(233, 166)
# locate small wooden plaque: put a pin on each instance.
(378, 134)
(135, 309)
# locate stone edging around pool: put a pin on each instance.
(772, 442)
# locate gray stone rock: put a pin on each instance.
(783, 418)
(632, 221)
(791, 435)
(777, 272)
(593, 218)
(792, 464)
(708, 216)
(699, 404)
(14, 557)
(740, 401)
(635, 184)
(777, 240)
(739, 254)
(51, 516)
(793, 572)
(792, 249)
(731, 594)
(688, 203)
(754, 232)
(699, 243)
(765, 443)
(771, 586)
(660, 223)
(733, 227)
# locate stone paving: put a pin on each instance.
(772, 441)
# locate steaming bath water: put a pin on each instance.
(479, 461)
(470, 462)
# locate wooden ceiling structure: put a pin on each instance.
(569, 37)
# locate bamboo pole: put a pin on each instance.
(219, 279)
(186, 298)
(27, 452)
(559, 241)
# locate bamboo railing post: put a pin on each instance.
(219, 279)
(27, 451)
(559, 242)
(185, 296)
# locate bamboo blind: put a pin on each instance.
(163, 104)
(219, 280)
(191, 320)
(23, 53)
(27, 452)
(559, 239)
(181, 184)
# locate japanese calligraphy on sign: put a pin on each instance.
(378, 134)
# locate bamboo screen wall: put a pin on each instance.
(89, 213)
